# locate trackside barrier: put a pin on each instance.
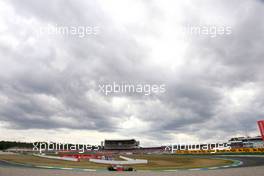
(126, 158)
(82, 156)
(128, 161)
(57, 157)
(235, 150)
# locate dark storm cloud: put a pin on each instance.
(69, 86)
(234, 60)
(29, 105)
(237, 60)
(39, 95)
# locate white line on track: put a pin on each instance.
(66, 168)
(89, 170)
(195, 169)
(213, 168)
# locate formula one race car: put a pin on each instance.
(120, 168)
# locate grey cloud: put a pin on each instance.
(192, 102)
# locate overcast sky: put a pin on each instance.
(49, 82)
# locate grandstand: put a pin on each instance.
(120, 144)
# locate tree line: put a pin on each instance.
(9, 144)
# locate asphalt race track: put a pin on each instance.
(251, 165)
(248, 161)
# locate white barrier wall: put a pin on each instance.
(57, 157)
(126, 158)
(128, 161)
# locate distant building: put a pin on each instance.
(120, 144)
(246, 142)
(19, 150)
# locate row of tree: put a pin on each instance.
(9, 144)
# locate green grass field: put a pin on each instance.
(156, 162)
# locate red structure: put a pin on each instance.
(82, 156)
(261, 128)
